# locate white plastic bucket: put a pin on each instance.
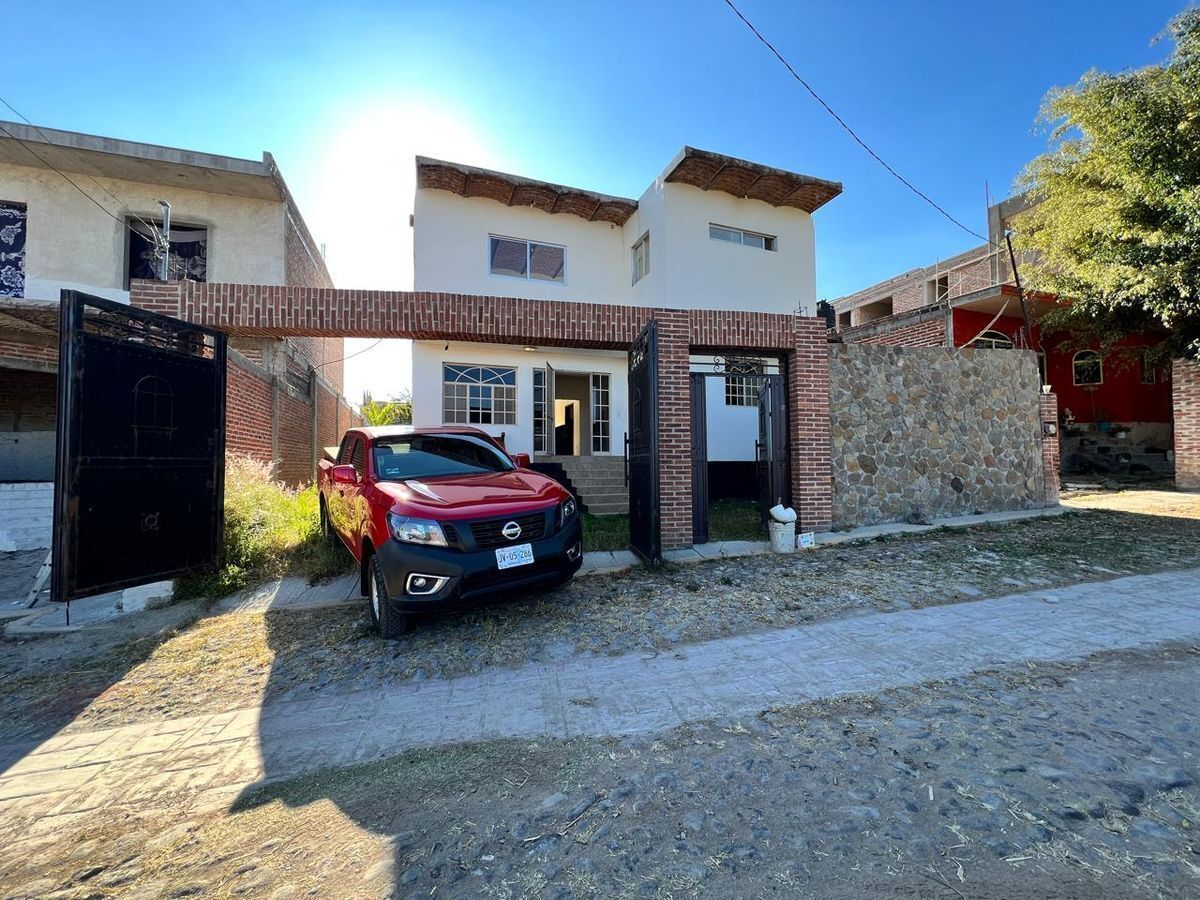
(783, 536)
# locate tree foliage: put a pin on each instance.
(1116, 223)
(397, 411)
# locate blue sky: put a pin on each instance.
(594, 94)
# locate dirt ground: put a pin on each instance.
(1057, 781)
(181, 661)
(1179, 504)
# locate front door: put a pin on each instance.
(772, 445)
(644, 533)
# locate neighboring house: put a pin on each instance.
(710, 232)
(232, 220)
(1116, 409)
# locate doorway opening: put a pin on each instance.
(572, 413)
(739, 445)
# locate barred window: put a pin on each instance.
(479, 395)
(1087, 368)
(993, 340)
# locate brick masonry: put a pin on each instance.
(273, 312)
(919, 328)
(1185, 393)
(1051, 446)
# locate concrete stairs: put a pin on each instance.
(26, 515)
(598, 482)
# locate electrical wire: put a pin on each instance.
(350, 355)
(850, 131)
(20, 115)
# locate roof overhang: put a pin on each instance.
(515, 190)
(102, 157)
(31, 322)
(749, 180)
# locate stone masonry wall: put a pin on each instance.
(921, 433)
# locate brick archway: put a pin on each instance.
(275, 312)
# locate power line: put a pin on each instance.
(351, 355)
(91, 177)
(850, 131)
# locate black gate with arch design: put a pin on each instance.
(644, 526)
(140, 464)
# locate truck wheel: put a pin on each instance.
(389, 621)
(327, 531)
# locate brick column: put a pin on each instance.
(1051, 446)
(808, 419)
(1185, 397)
(674, 429)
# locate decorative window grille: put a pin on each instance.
(479, 395)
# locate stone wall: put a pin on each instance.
(922, 433)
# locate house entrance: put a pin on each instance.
(739, 442)
(572, 412)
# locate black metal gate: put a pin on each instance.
(140, 466)
(644, 530)
(771, 448)
(699, 458)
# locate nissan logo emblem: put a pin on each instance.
(511, 530)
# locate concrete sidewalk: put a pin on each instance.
(205, 761)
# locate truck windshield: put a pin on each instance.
(431, 455)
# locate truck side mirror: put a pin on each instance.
(345, 475)
(522, 460)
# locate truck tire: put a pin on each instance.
(389, 621)
(327, 532)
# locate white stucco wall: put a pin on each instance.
(688, 269)
(703, 273)
(428, 357)
(451, 250)
(732, 430)
(72, 244)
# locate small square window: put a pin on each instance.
(641, 258)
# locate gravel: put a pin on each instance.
(236, 660)
(949, 789)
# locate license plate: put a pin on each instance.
(511, 557)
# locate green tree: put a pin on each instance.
(396, 411)
(1115, 227)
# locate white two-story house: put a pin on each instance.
(710, 232)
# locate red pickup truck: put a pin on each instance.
(437, 517)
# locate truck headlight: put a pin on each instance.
(416, 531)
(568, 510)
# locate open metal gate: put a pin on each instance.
(699, 458)
(140, 463)
(644, 525)
(771, 448)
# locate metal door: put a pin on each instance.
(699, 393)
(771, 448)
(140, 463)
(644, 531)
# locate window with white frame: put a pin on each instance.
(743, 380)
(641, 258)
(601, 407)
(539, 410)
(738, 236)
(530, 260)
(1087, 368)
(479, 395)
(993, 340)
